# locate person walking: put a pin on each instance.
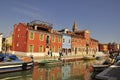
(50, 52)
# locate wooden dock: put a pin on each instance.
(111, 73)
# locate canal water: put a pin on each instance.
(80, 70)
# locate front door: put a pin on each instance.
(75, 51)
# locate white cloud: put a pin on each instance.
(27, 10)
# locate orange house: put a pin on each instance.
(82, 43)
(35, 38)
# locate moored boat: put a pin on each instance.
(89, 57)
(10, 63)
(50, 62)
(97, 68)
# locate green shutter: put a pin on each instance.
(41, 49)
(53, 38)
(31, 35)
(31, 48)
(41, 37)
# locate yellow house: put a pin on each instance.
(105, 47)
(8, 43)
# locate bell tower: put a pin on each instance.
(75, 28)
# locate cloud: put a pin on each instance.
(27, 10)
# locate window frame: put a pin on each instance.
(41, 37)
(31, 46)
(31, 36)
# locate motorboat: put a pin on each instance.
(10, 63)
(89, 58)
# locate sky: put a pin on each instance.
(100, 17)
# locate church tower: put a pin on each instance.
(75, 28)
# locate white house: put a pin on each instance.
(0, 42)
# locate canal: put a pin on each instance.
(80, 70)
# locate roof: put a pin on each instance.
(94, 39)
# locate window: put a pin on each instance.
(63, 40)
(41, 49)
(31, 48)
(53, 38)
(18, 35)
(59, 48)
(18, 29)
(59, 39)
(69, 40)
(48, 39)
(17, 44)
(42, 37)
(72, 40)
(53, 49)
(31, 35)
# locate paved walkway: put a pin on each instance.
(38, 59)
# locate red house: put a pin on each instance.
(35, 38)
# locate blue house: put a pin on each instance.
(66, 42)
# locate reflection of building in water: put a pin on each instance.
(81, 70)
(47, 73)
(55, 74)
(39, 73)
(66, 70)
(75, 71)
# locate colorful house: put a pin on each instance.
(8, 43)
(109, 47)
(38, 37)
(66, 42)
(35, 38)
(82, 43)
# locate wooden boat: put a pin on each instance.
(50, 62)
(89, 58)
(10, 63)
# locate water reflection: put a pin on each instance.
(47, 73)
(20, 75)
(66, 71)
(74, 71)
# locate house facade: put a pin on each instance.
(82, 43)
(109, 47)
(38, 37)
(66, 42)
(8, 44)
(35, 38)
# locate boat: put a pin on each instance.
(111, 73)
(89, 58)
(50, 62)
(11, 63)
(100, 67)
(97, 68)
